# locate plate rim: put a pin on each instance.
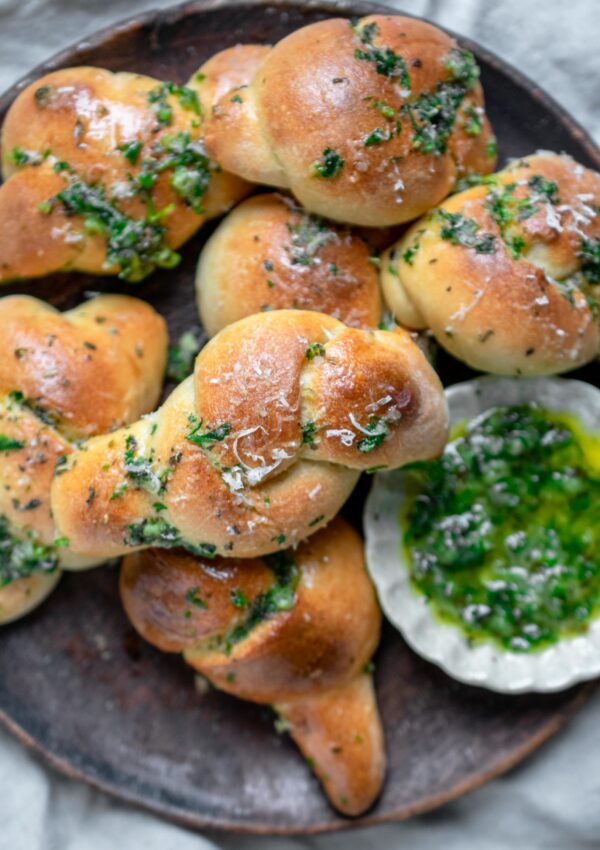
(195, 822)
(155, 18)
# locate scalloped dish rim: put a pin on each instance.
(570, 660)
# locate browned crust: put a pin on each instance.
(280, 391)
(309, 661)
(311, 93)
(93, 368)
(499, 313)
(66, 376)
(268, 254)
(82, 118)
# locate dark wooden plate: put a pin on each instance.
(79, 687)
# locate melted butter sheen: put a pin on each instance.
(503, 531)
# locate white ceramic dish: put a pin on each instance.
(560, 666)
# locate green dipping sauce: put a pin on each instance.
(503, 531)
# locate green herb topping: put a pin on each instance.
(23, 556)
(155, 531)
(239, 599)
(308, 433)
(330, 165)
(135, 246)
(281, 596)
(508, 210)
(19, 157)
(408, 254)
(308, 235)
(386, 62)
(190, 167)
(378, 136)
(43, 95)
(315, 349)
(473, 123)
(465, 231)
(7, 444)
(182, 355)
(433, 114)
(140, 470)
(131, 151)
(191, 597)
(503, 530)
(462, 67)
(491, 148)
(158, 98)
(207, 439)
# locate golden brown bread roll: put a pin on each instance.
(269, 254)
(105, 173)
(369, 123)
(506, 273)
(63, 377)
(296, 630)
(261, 446)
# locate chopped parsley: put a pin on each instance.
(589, 254)
(315, 349)
(386, 110)
(152, 532)
(544, 188)
(43, 95)
(378, 135)
(472, 123)
(190, 167)
(308, 432)
(507, 210)
(433, 114)
(20, 557)
(135, 246)
(48, 417)
(238, 598)
(191, 596)
(462, 67)
(131, 151)
(155, 531)
(330, 165)
(181, 357)
(386, 62)
(459, 230)
(7, 444)
(158, 98)
(119, 491)
(208, 438)
(378, 432)
(19, 157)
(140, 469)
(408, 254)
(491, 148)
(308, 235)
(280, 596)
(138, 246)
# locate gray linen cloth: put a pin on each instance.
(553, 800)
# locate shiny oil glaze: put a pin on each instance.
(503, 532)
